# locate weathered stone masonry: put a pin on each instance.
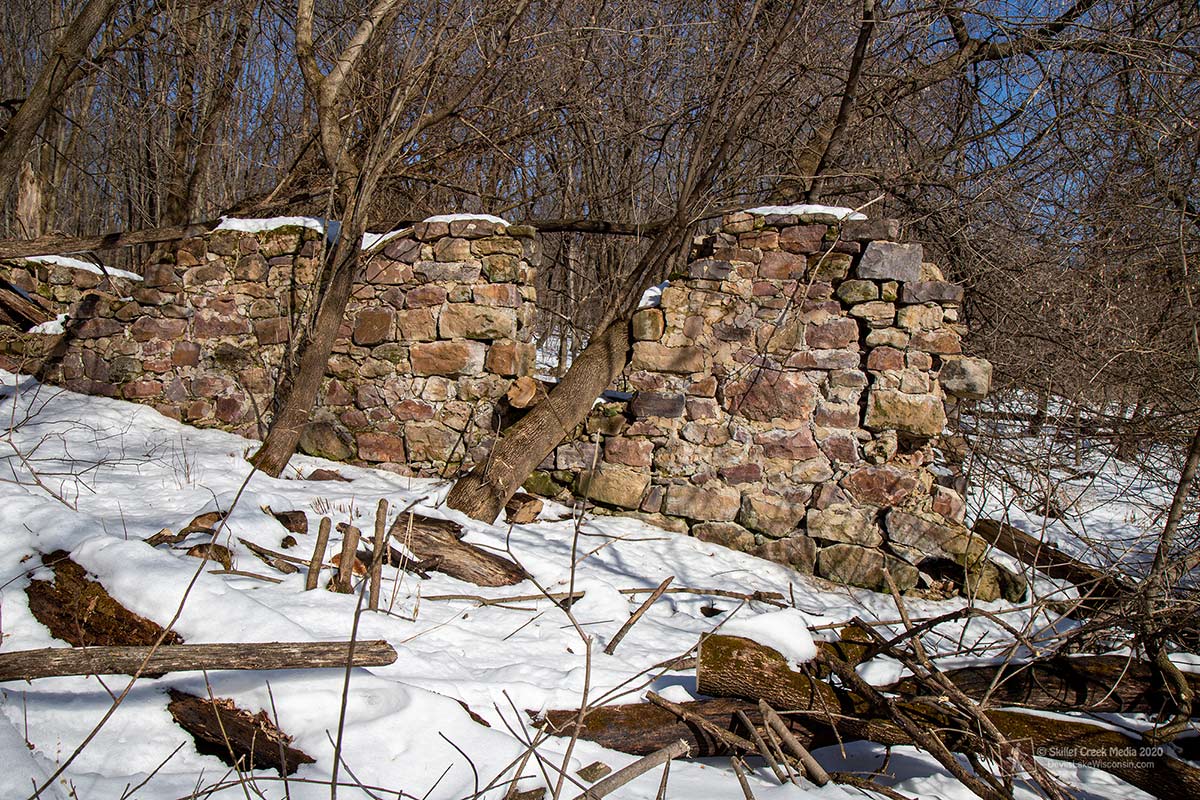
(781, 400)
(784, 398)
(433, 336)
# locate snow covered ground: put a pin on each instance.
(96, 476)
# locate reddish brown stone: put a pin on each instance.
(147, 328)
(185, 354)
(208, 385)
(837, 333)
(197, 410)
(406, 250)
(841, 448)
(802, 238)
(373, 326)
(949, 504)
(702, 408)
(272, 331)
(795, 445)
(881, 486)
(423, 296)
(510, 358)
(507, 295)
(630, 452)
(230, 409)
(835, 415)
(139, 390)
(212, 325)
(380, 447)
(213, 272)
(97, 329)
(382, 272)
(767, 395)
(409, 410)
(428, 231)
(703, 387)
(782, 266)
(447, 358)
(741, 473)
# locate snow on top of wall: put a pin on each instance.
(86, 266)
(841, 212)
(457, 217)
(268, 223)
(375, 239)
(784, 631)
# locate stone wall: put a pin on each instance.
(433, 335)
(782, 400)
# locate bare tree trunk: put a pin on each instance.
(300, 385)
(53, 80)
(483, 492)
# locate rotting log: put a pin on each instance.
(642, 728)
(79, 611)
(56, 661)
(731, 666)
(437, 544)
(1097, 588)
(240, 739)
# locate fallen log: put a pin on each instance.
(437, 544)
(79, 611)
(731, 666)
(641, 728)
(1084, 683)
(22, 311)
(58, 244)
(57, 661)
(240, 739)
(1097, 588)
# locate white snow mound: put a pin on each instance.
(785, 631)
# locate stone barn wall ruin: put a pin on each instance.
(782, 398)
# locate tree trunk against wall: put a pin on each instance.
(483, 492)
(300, 384)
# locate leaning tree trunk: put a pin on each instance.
(482, 493)
(301, 379)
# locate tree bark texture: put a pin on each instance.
(79, 611)
(300, 382)
(437, 546)
(240, 739)
(55, 661)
